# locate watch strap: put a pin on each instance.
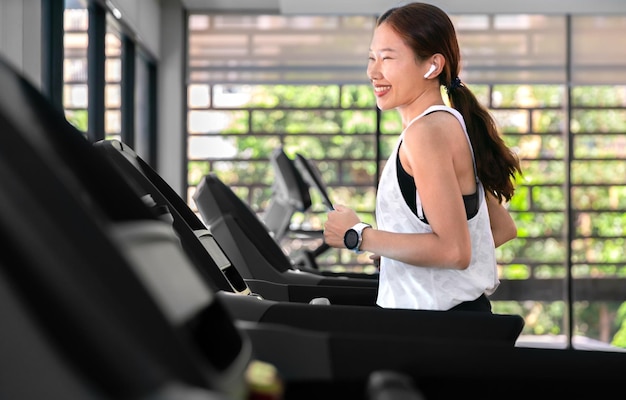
(359, 228)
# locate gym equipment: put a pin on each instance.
(290, 194)
(79, 321)
(247, 242)
(245, 304)
(295, 180)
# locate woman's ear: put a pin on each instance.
(437, 62)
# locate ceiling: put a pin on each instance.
(346, 7)
(232, 5)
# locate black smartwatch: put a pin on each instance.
(354, 236)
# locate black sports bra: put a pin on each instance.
(407, 187)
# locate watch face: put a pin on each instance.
(351, 239)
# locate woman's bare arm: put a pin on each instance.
(449, 243)
(503, 227)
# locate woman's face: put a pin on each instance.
(393, 70)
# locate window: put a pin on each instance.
(75, 40)
(555, 84)
(108, 78)
(113, 83)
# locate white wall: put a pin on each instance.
(143, 17)
(171, 95)
(159, 26)
(20, 36)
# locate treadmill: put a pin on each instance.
(245, 304)
(248, 243)
(295, 182)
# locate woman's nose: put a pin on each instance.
(372, 72)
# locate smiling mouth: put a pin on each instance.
(380, 89)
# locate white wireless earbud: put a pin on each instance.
(432, 69)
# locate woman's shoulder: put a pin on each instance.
(436, 124)
(439, 116)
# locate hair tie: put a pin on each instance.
(456, 82)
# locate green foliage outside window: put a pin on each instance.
(78, 118)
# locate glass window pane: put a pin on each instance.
(75, 40)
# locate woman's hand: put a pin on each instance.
(339, 221)
(375, 260)
(503, 226)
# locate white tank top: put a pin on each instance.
(408, 286)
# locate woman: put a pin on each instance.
(439, 210)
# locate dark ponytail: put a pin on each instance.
(496, 164)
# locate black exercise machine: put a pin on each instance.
(247, 242)
(214, 264)
(245, 304)
(290, 194)
(78, 322)
(296, 183)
